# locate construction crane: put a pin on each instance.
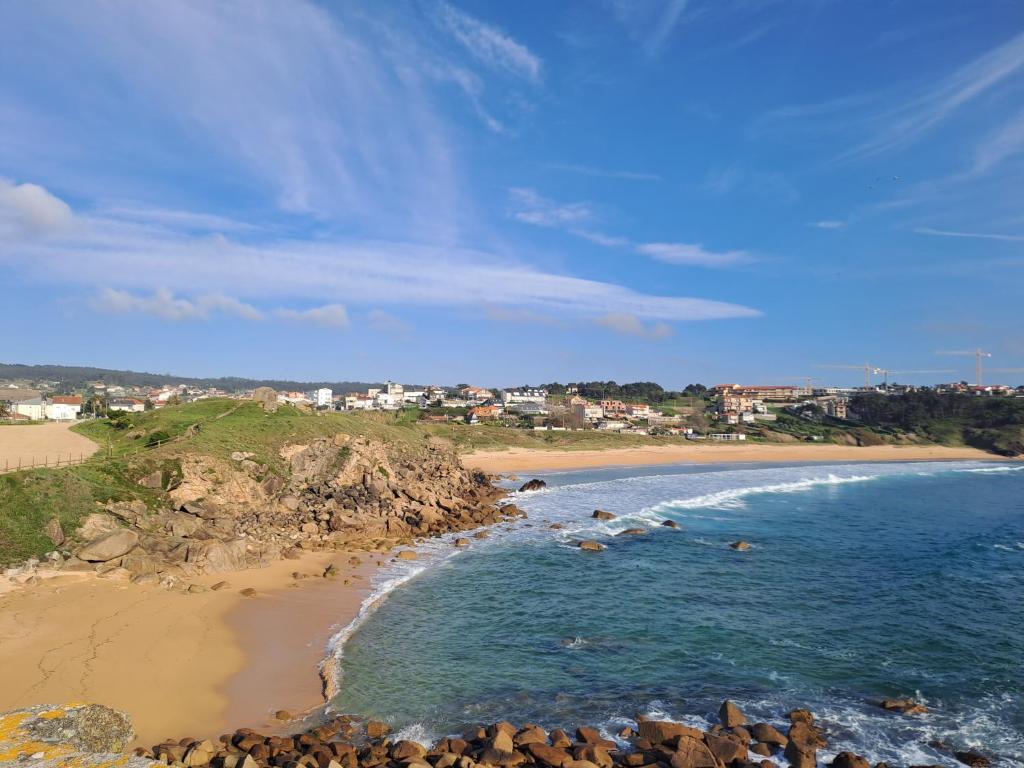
(807, 381)
(978, 354)
(867, 368)
(884, 372)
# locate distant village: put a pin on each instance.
(714, 414)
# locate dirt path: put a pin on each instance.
(36, 442)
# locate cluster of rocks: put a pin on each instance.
(220, 515)
(341, 743)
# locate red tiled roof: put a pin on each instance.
(67, 400)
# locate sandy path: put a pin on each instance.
(33, 442)
(174, 661)
(529, 459)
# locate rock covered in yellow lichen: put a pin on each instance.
(67, 736)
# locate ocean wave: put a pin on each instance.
(733, 498)
(992, 470)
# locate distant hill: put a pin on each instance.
(75, 377)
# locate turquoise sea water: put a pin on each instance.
(862, 581)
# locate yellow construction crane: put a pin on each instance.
(978, 354)
(867, 368)
(884, 372)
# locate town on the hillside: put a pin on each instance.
(722, 412)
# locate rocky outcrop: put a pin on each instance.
(600, 514)
(532, 485)
(266, 397)
(905, 706)
(330, 493)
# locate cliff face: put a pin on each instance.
(227, 514)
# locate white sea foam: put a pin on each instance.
(993, 470)
(733, 498)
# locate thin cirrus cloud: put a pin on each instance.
(489, 44)
(970, 235)
(529, 207)
(630, 325)
(827, 224)
(371, 272)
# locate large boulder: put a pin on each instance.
(906, 706)
(661, 731)
(590, 545)
(600, 514)
(54, 531)
(532, 485)
(693, 753)
(726, 748)
(266, 397)
(550, 756)
(109, 546)
(218, 556)
(730, 715)
(768, 734)
(849, 760)
(77, 734)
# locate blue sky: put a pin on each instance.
(502, 193)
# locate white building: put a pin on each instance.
(323, 397)
(588, 411)
(64, 408)
(394, 390)
(129, 404)
(33, 408)
(538, 396)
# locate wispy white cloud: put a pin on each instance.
(1005, 142)
(126, 255)
(648, 22)
(588, 170)
(28, 209)
(906, 123)
(631, 325)
(178, 219)
(164, 304)
(600, 238)
(530, 207)
(971, 235)
(489, 44)
(693, 254)
(329, 315)
(828, 224)
(317, 112)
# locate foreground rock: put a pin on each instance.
(74, 735)
(89, 736)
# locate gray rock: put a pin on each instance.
(109, 547)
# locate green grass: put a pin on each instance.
(28, 500)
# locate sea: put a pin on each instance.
(862, 581)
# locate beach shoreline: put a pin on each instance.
(197, 663)
(515, 460)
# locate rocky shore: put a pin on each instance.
(89, 735)
(217, 516)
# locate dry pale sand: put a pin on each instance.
(30, 443)
(537, 460)
(179, 664)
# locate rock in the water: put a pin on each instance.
(661, 731)
(740, 546)
(109, 547)
(407, 554)
(590, 545)
(462, 542)
(730, 715)
(849, 760)
(600, 514)
(906, 706)
(768, 734)
(670, 524)
(375, 729)
(532, 485)
(972, 758)
(283, 714)
(801, 756)
(632, 532)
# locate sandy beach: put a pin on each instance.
(26, 444)
(180, 664)
(536, 460)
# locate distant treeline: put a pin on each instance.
(991, 423)
(76, 377)
(639, 391)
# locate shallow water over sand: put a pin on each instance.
(862, 581)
